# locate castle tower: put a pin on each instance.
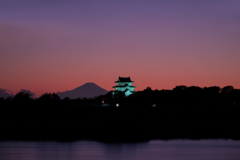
(124, 85)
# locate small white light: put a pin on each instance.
(117, 105)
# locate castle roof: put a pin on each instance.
(123, 79)
(124, 86)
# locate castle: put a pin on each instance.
(124, 85)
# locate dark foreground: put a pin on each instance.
(62, 123)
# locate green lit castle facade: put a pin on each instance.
(124, 85)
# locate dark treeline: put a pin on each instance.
(184, 112)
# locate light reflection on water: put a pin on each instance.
(91, 150)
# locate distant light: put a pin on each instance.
(117, 105)
(102, 101)
(154, 105)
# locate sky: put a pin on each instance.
(58, 45)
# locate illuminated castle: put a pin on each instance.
(124, 85)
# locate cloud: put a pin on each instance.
(3, 93)
(29, 92)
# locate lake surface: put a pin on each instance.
(91, 150)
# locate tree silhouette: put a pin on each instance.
(49, 97)
(22, 97)
(211, 95)
(227, 89)
(179, 88)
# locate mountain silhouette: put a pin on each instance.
(87, 90)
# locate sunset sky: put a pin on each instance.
(58, 45)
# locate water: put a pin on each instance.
(91, 150)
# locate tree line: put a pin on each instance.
(178, 96)
(183, 112)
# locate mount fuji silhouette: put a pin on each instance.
(87, 90)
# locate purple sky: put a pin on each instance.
(58, 45)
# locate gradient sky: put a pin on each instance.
(58, 45)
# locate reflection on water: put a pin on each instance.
(90, 150)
